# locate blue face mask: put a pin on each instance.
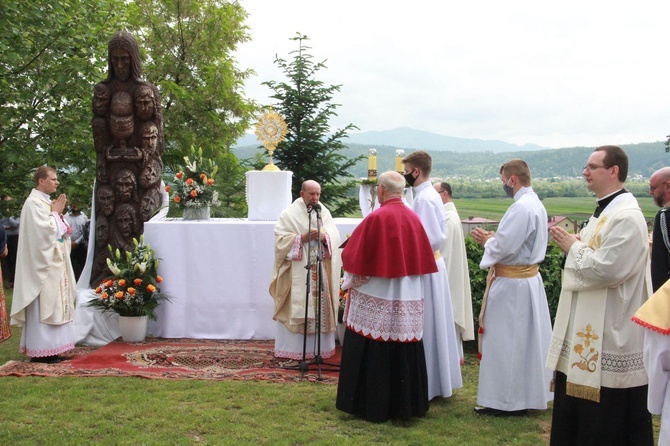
(508, 190)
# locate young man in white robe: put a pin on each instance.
(514, 322)
(297, 241)
(439, 332)
(44, 290)
(600, 381)
(456, 260)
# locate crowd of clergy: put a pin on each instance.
(604, 364)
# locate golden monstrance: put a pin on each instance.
(271, 130)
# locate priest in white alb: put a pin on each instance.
(456, 260)
(297, 241)
(44, 289)
(439, 332)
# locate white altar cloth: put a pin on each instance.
(268, 194)
(217, 273)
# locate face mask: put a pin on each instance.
(508, 190)
(409, 178)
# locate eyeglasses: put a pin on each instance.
(592, 167)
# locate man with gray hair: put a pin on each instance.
(385, 261)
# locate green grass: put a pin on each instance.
(575, 208)
(133, 411)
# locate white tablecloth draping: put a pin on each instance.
(268, 194)
(217, 273)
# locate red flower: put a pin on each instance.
(167, 188)
(194, 193)
(159, 279)
(131, 291)
(137, 282)
(210, 181)
(189, 181)
(151, 288)
(177, 199)
(179, 175)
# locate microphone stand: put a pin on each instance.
(318, 359)
(303, 366)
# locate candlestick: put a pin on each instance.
(399, 155)
(372, 165)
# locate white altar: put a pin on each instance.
(217, 273)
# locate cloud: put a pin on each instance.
(559, 74)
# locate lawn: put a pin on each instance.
(135, 411)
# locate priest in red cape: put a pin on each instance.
(383, 369)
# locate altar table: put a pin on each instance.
(217, 274)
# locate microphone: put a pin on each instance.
(317, 208)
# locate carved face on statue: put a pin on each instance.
(144, 103)
(151, 173)
(125, 185)
(149, 203)
(149, 136)
(105, 200)
(101, 232)
(120, 60)
(125, 220)
(101, 99)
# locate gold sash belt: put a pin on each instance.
(500, 270)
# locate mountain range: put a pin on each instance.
(413, 139)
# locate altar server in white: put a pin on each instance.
(514, 322)
(654, 315)
(600, 394)
(44, 290)
(294, 245)
(456, 260)
(439, 332)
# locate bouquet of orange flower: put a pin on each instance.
(133, 288)
(193, 185)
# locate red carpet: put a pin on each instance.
(158, 358)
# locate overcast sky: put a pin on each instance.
(558, 74)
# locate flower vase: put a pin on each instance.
(133, 328)
(192, 213)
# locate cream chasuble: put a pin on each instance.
(606, 279)
(43, 266)
(289, 274)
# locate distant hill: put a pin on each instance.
(644, 158)
(408, 138)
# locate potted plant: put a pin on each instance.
(193, 186)
(133, 290)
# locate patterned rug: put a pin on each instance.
(157, 358)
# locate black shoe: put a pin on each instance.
(47, 359)
(499, 413)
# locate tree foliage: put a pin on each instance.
(310, 150)
(188, 46)
(52, 55)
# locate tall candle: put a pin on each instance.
(399, 155)
(372, 165)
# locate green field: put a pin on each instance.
(575, 208)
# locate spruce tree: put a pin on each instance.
(311, 151)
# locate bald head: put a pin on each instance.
(310, 192)
(659, 186)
